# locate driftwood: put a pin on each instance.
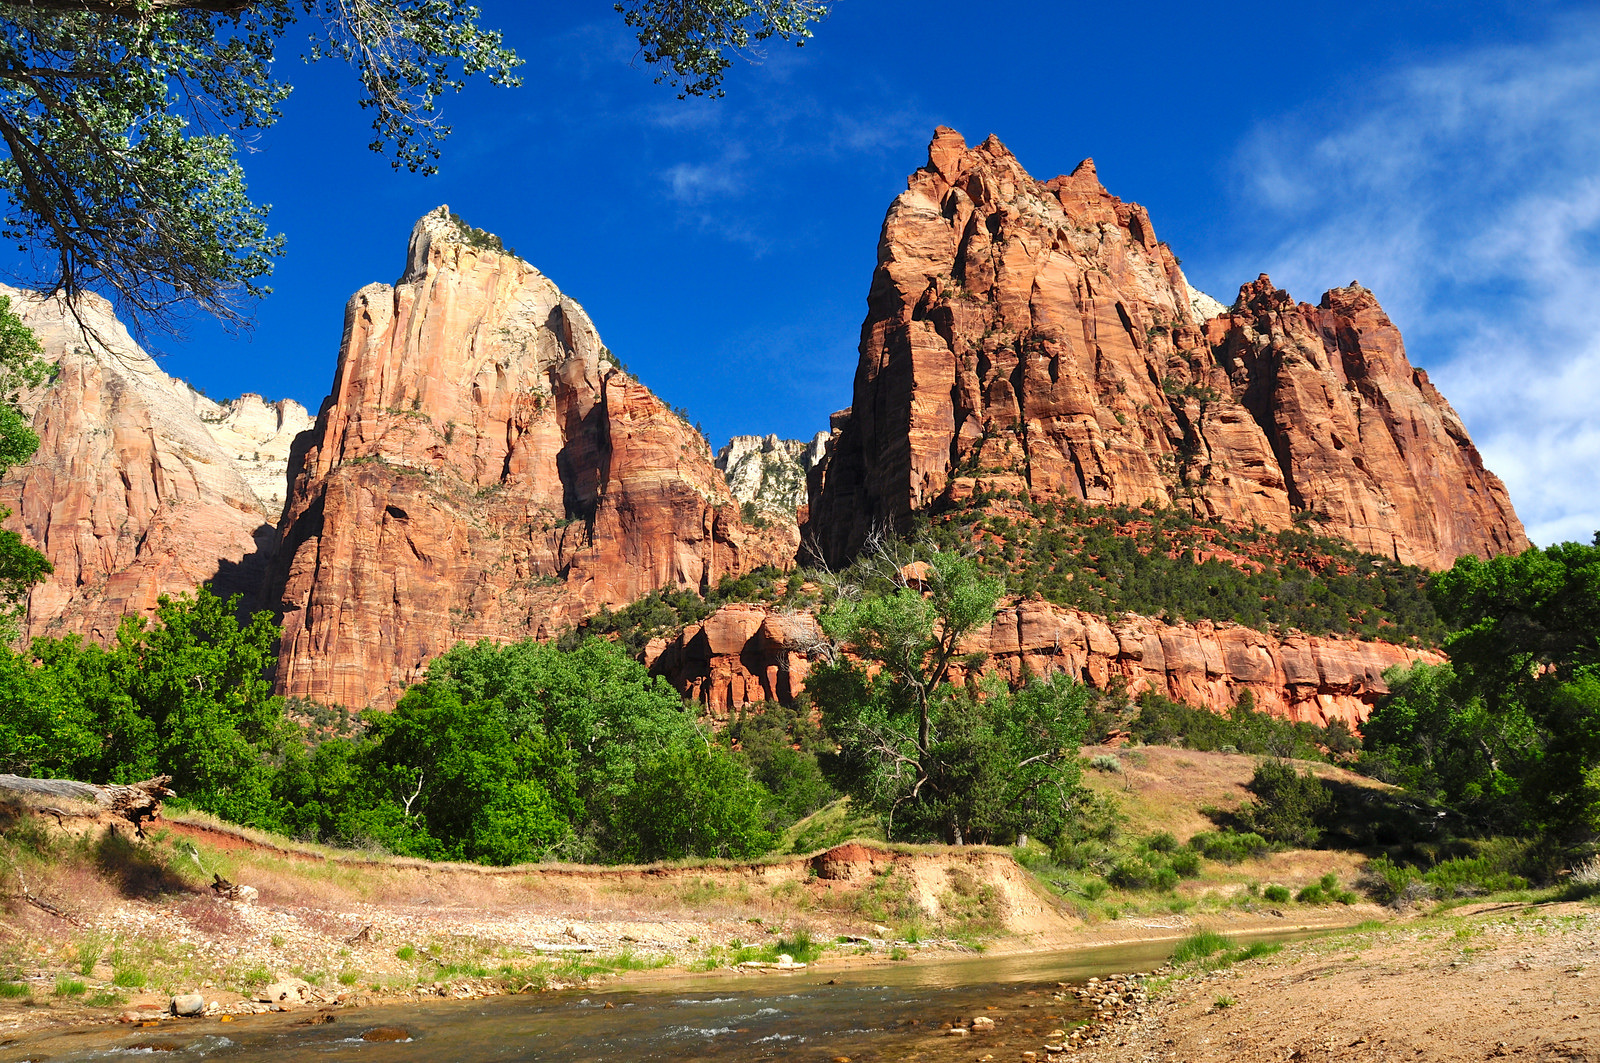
(136, 803)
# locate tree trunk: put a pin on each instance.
(135, 803)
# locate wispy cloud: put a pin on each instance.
(1465, 193)
(696, 182)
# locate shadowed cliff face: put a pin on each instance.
(1027, 335)
(483, 469)
(141, 486)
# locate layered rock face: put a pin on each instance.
(483, 469)
(1036, 336)
(770, 473)
(744, 654)
(136, 490)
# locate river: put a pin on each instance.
(881, 1013)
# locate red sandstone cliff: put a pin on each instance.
(743, 654)
(483, 469)
(1039, 333)
(138, 488)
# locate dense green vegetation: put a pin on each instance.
(933, 758)
(502, 754)
(1509, 731)
(21, 566)
(1161, 561)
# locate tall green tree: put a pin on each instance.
(935, 759)
(184, 695)
(1511, 728)
(119, 119)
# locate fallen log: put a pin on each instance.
(136, 803)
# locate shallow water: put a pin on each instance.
(875, 1014)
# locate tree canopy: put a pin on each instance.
(120, 120)
(973, 762)
(1510, 729)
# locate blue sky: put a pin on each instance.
(1445, 154)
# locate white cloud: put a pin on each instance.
(1465, 194)
(696, 182)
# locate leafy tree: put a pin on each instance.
(186, 695)
(1510, 729)
(965, 764)
(502, 742)
(690, 42)
(119, 119)
(781, 744)
(21, 566)
(692, 800)
(468, 788)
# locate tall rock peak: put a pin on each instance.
(141, 486)
(1037, 336)
(483, 468)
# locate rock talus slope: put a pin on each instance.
(1037, 336)
(745, 654)
(483, 469)
(136, 490)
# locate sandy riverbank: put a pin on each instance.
(1492, 981)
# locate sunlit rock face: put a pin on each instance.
(1036, 336)
(745, 654)
(483, 468)
(141, 486)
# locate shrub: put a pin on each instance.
(1132, 874)
(1289, 805)
(1162, 842)
(1228, 847)
(1390, 883)
(1312, 894)
(1185, 863)
(1276, 894)
(1105, 762)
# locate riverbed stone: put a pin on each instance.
(188, 1004)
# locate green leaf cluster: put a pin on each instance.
(1509, 730)
(962, 762)
(120, 122)
(503, 754)
(691, 42)
(185, 696)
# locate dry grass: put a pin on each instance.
(1163, 788)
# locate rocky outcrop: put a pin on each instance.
(768, 473)
(258, 435)
(483, 468)
(1038, 334)
(743, 654)
(136, 489)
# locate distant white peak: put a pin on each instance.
(1205, 307)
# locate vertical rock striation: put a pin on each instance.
(1037, 336)
(483, 469)
(136, 490)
